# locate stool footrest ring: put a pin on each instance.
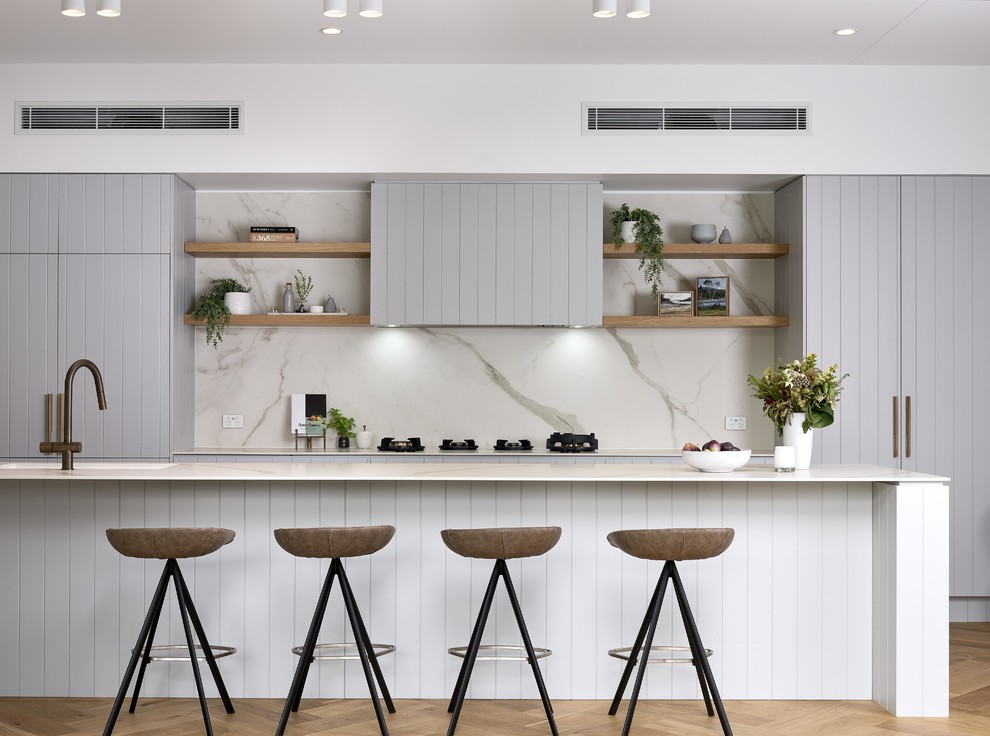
(623, 653)
(218, 651)
(540, 652)
(379, 649)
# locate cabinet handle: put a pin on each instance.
(50, 407)
(896, 433)
(907, 422)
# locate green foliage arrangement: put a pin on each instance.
(799, 386)
(649, 242)
(213, 311)
(304, 285)
(343, 426)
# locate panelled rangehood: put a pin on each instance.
(476, 254)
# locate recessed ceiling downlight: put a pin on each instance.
(845, 32)
(331, 31)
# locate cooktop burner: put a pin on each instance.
(459, 445)
(569, 442)
(390, 444)
(513, 445)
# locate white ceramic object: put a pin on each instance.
(627, 231)
(316, 309)
(365, 440)
(801, 441)
(703, 233)
(238, 302)
(783, 458)
(716, 462)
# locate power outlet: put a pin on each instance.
(233, 421)
(735, 423)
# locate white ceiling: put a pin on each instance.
(896, 32)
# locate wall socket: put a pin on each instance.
(236, 421)
(737, 423)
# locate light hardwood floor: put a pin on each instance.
(969, 684)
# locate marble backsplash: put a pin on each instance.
(635, 388)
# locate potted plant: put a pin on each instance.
(798, 397)
(213, 310)
(648, 236)
(343, 426)
(304, 285)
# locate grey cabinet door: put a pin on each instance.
(486, 254)
(945, 347)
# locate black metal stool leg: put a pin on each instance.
(369, 675)
(634, 652)
(146, 657)
(345, 586)
(696, 654)
(184, 611)
(644, 660)
(306, 657)
(460, 689)
(156, 604)
(530, 652)
(693, 632)
(211, 661)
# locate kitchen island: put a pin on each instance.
(835, 587)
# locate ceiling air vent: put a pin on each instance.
(619, 119)
(115, 118)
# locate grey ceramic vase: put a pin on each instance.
(703, 233)
(726, 237)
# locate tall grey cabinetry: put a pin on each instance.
(486, 254)
(888, 271)
(89, 268)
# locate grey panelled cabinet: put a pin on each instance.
(87, 265)
(891, 270)
(486, 254)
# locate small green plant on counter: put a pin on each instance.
(343, 426)
(212, 310)
(649, 242)
(304, 285)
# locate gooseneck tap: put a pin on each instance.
(65, 445)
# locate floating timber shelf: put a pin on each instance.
(278, 250)
(295, 319)
(710, 250)
(676, 320)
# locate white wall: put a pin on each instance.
(473, 120)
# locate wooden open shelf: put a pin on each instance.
(278, 250)
(710, 250)
(291, 320)
(678, 320)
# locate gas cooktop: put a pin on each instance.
(570, 442)
(459, 445)
(513, 445)
(390, 444)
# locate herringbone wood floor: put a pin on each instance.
(969, 684)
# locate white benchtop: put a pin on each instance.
(593, 472)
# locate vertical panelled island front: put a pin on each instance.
(836, 586)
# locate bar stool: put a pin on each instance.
(499, 545)
(335, 543)
(670, 545)
(171, 545)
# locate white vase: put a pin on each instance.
(364, 440)
(238, 302)
(627, 231)
(794, 436)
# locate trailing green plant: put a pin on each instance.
(343, 426)
(649, 242)
(212, 310)
(304, 285)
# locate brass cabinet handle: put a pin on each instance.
(896, 433)
(907, 422)
(49, 406)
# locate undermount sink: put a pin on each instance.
(102, 467)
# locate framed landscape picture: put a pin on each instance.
(713, 296)
(676, 302)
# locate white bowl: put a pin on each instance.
(716, 462)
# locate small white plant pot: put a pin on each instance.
(237, 302)
(626, 230)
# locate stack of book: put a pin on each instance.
(273, 234)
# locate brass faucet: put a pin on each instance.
(65, 445)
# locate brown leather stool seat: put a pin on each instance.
(672, 546)
(499, 544)
(330, 542)
(336, 543)
(502, 543)
(171, 545)
(165, 544)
